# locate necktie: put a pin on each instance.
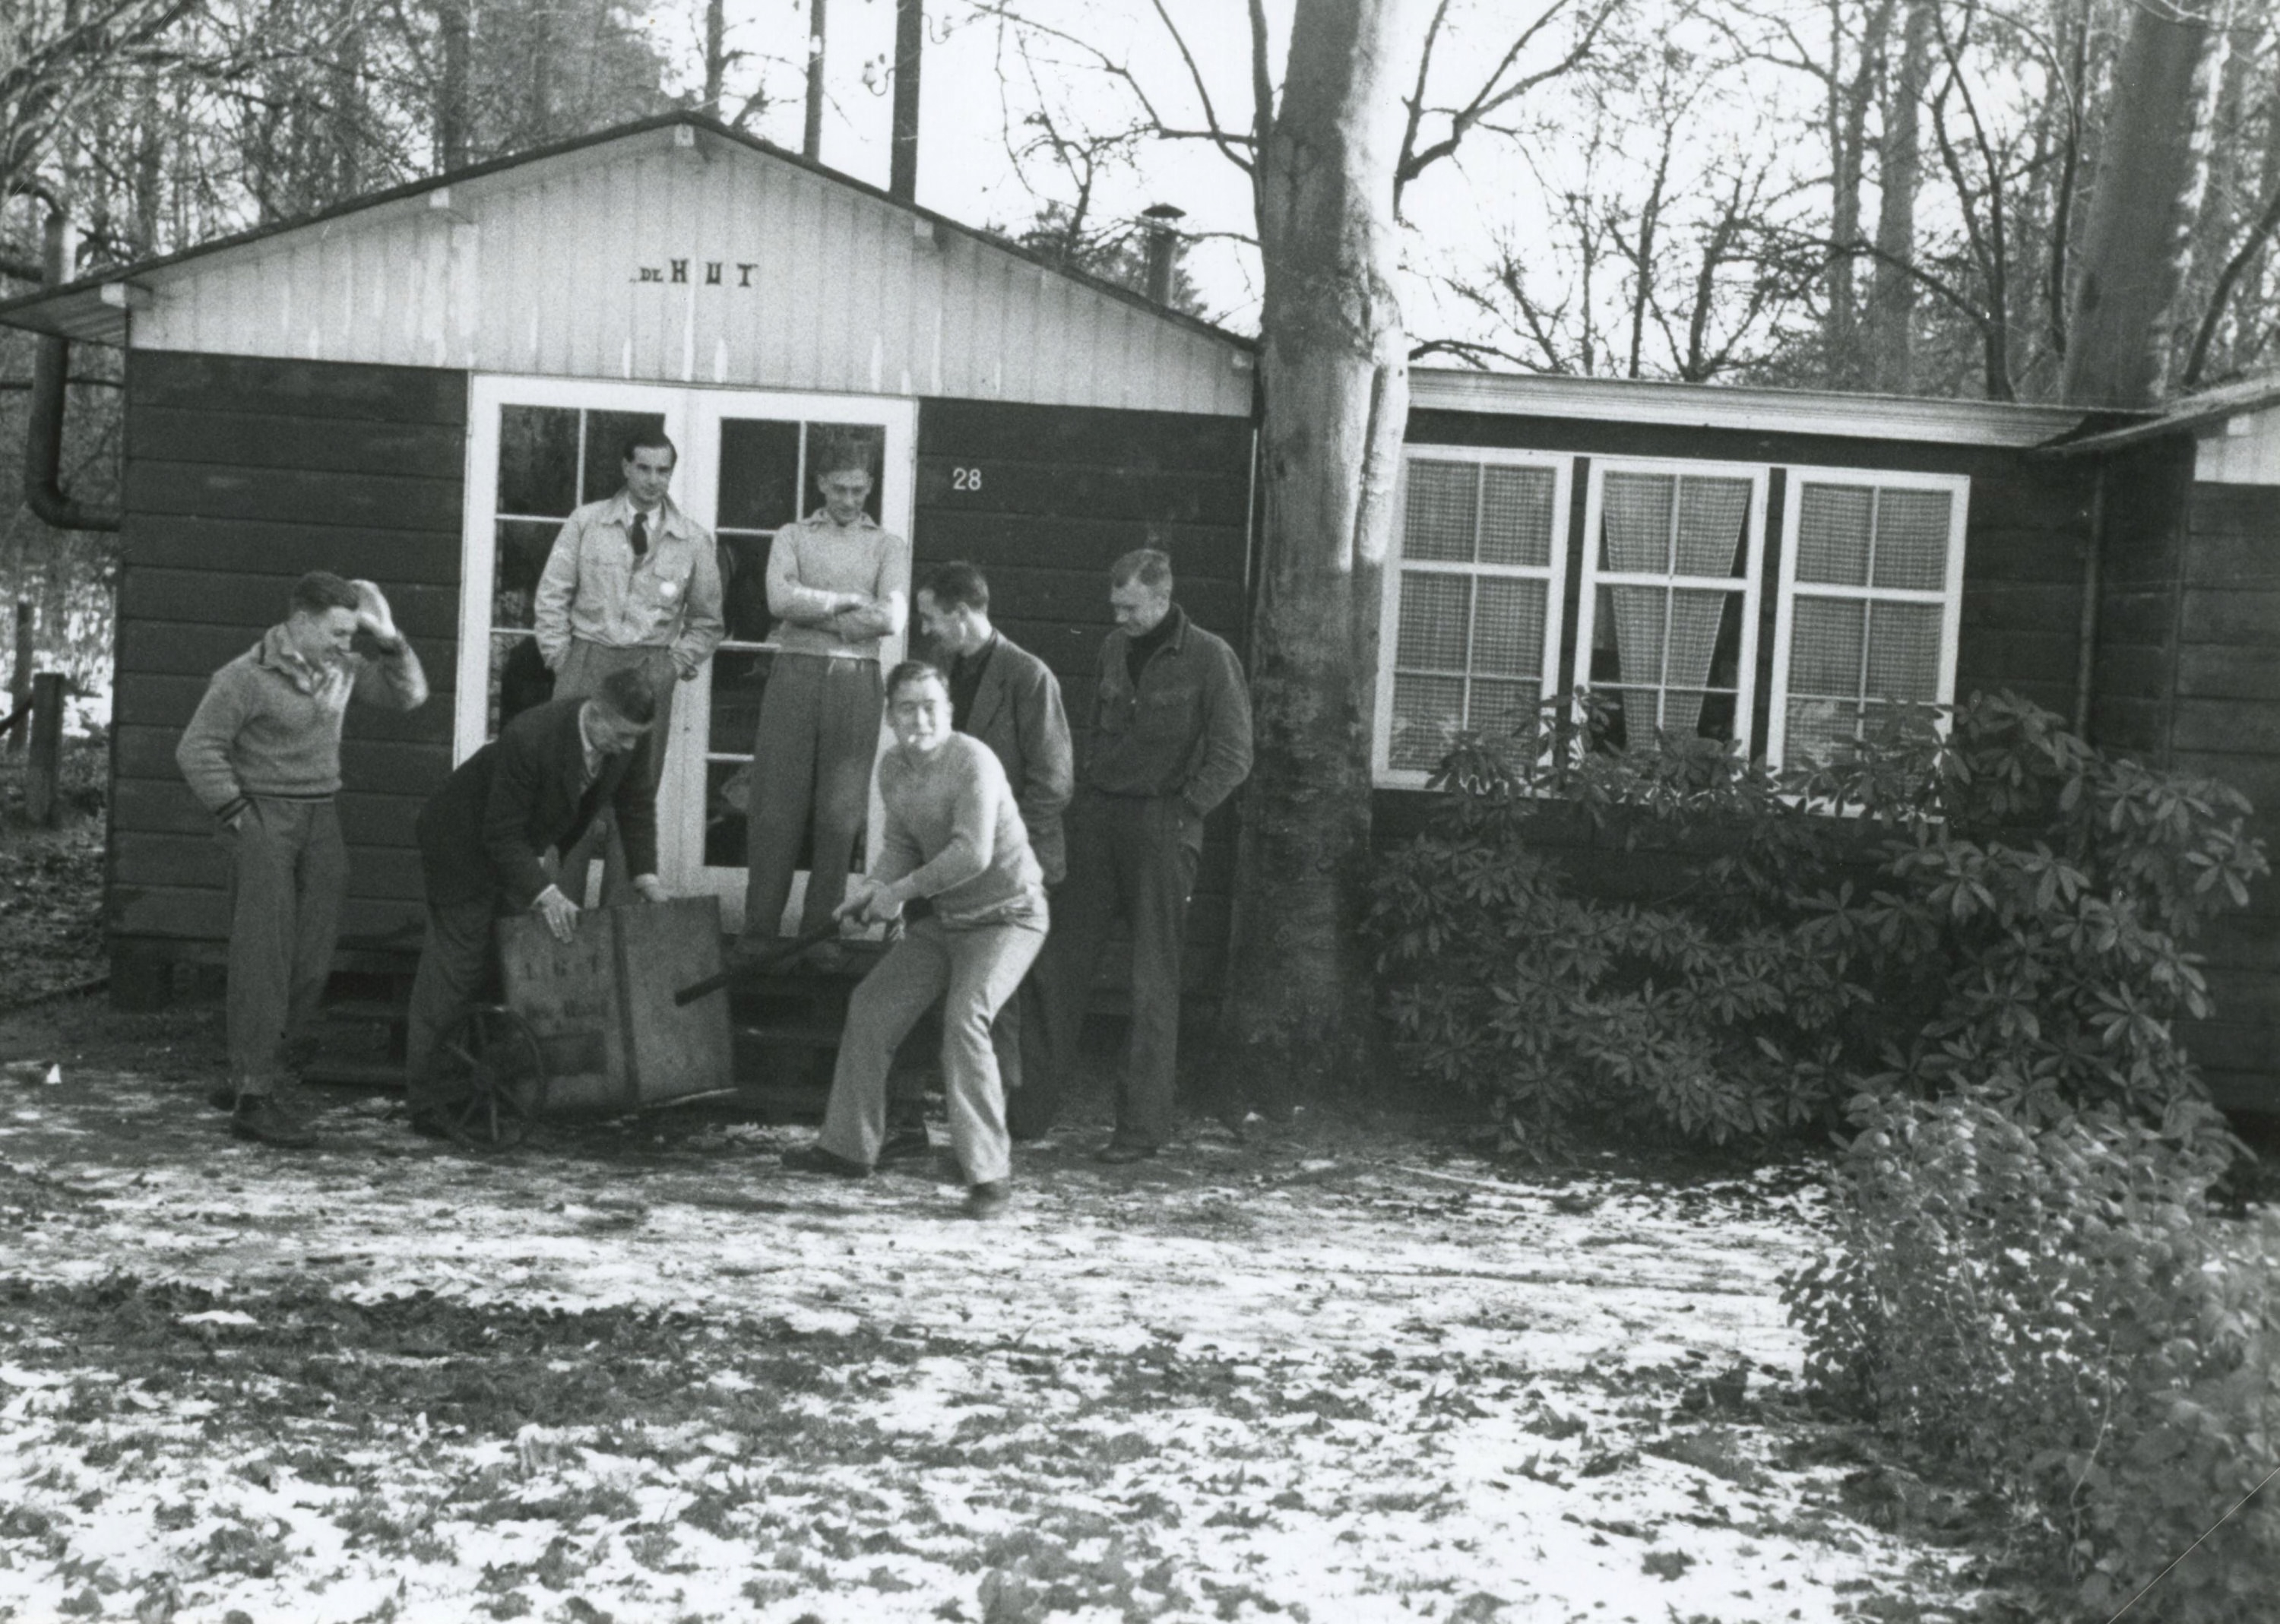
(637, 533)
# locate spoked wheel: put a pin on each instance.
(489, 1078)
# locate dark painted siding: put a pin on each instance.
(1061, 493)
(2219, 715)
(242, 474)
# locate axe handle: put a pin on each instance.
(767, 956)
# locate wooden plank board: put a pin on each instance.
(140, 859)
(2226, 671)
(2231, 614)
(165, 806)
(392, 557)
(2227, 726)
(391, 769)
(996, 540)
(2015, 605)
(219, 597)
(151, 700)
(1055, 489)
(163, 648)
(676, 1050)
(2002, 553)
(1989, 659)
(202, 913)
(196, 382)
(1103, 437)
(255, 438)
(405, 501)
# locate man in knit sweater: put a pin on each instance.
(263, 754)
(839, 586)
(954, 836)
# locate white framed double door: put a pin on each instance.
(539, 447)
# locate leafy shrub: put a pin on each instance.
(2001, 902)
(2052, 1310)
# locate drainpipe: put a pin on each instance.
(1163, 234)
(43, 434)
(2085, 673)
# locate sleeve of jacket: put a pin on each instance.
(557, 585)
(1223, 754)
(394, 679)
(202, 753)
(702, 625)
(1085, 730)
(518, 773)
(1048, 768)
(636, 806)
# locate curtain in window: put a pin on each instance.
(1664, 524)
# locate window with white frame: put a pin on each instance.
(1871, 599)
(1668, 616)
(1470, 638)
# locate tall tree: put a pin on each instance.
(2139, 243)
(1334, 367)
(1890, 339)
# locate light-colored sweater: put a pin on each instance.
(270, 723)
(953, 833)
(812, 560)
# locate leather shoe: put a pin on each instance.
(1121, 1153)
(815, 1159)
(261, 1119)
(906, 1144)
(986, 1201)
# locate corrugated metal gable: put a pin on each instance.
(704, 262)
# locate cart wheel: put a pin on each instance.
(490, 1078)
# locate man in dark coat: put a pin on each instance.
(486, 838)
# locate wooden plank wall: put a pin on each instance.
(2025, 548)
(241, 474)
(2188, 677)
(1044, 499)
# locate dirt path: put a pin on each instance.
(637, 1372)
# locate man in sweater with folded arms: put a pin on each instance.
(262, 753)
(954, 836)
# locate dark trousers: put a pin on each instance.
(1136, 856)
(287, 871)
(454, 963)
(812, 758)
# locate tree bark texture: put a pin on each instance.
(1891, 290)
(810, 142)
(910, 47)
(1335, 373)
(2154, 162)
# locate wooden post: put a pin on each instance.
(19, 683)
(40, 801)
(903, 155)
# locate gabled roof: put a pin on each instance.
(94, 307)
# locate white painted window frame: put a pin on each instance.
(1795, 478)
(1752, 581)
(1561, 466)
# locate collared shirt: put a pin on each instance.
(594, 589)
(813, 558)
(965, 676)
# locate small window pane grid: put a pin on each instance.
(1672, 593)
(551, 461)
(1866, 624)
(766, 465)
(1470, 632)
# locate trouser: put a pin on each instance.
(585, 666)
(973, 970)
(454, 963)
(1134, 855)
(1017, 1038)
(811, 756)
(287, 871)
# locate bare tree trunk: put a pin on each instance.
(910, 46)
(2139, 242)
(1848, 123)
(1335, 377)
(811, 144)
(1891, 290)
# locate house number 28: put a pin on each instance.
(966, 479)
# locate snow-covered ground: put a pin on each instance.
(635, 1371)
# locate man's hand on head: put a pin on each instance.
(374, 616)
